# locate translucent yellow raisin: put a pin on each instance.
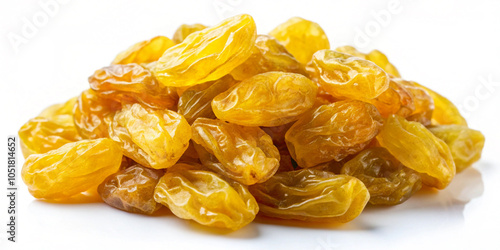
(185, 30)
(417, 148)
(311, 195)
(71, 169)
(301, 37)
(206, 198)
(209, 54)
(267, 99)
(348, 77)
(153, 138)
(145, 51)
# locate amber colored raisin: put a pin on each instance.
(311, 195)
(332, 132)
(395, 100)
(197, 100)
(132, 189)
(132, 83)
(387, 180)
(422, 101)
(244, 154)
(268, 99)
(92, 114)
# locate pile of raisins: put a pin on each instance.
(219, 123)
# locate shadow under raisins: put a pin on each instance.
(83, 198)
(249, 231)
(350, 226)
(428, 207)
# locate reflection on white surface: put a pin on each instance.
(428, 212)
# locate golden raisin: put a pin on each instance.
(417, 148)
(206, 198)
(197, 100)
(311, 195)
(209, 54)
(466, 145)
(387, 180)
(332, 132)
(71, 169)
(185, 30)
(244, 154)
(267, 55)
(145, 51)
(132, 83)
(152, 138)
(92, 114)
(375, 56)
(267, 99)
(347, 77)
(301, 37)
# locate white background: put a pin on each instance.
(450, 46)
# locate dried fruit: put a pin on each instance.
(92, 114)
(375, 56)
(422, 101)
(132, 83)
(314, 133)
(466, 145)
(40, 135)
(206, 198)
(311, 195)
(445, 112)
(267, 55)
(244, 154)
(332, 132)
(145, 51)
(132, 189)
(268, 99)
(387, 180)
(209, 54)
(301, 37)
(417, 148)
(185, 30)
(395, 100)
(347, 77)
(196, 101)
(53, 128)
(152, 138)
(71, 169)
